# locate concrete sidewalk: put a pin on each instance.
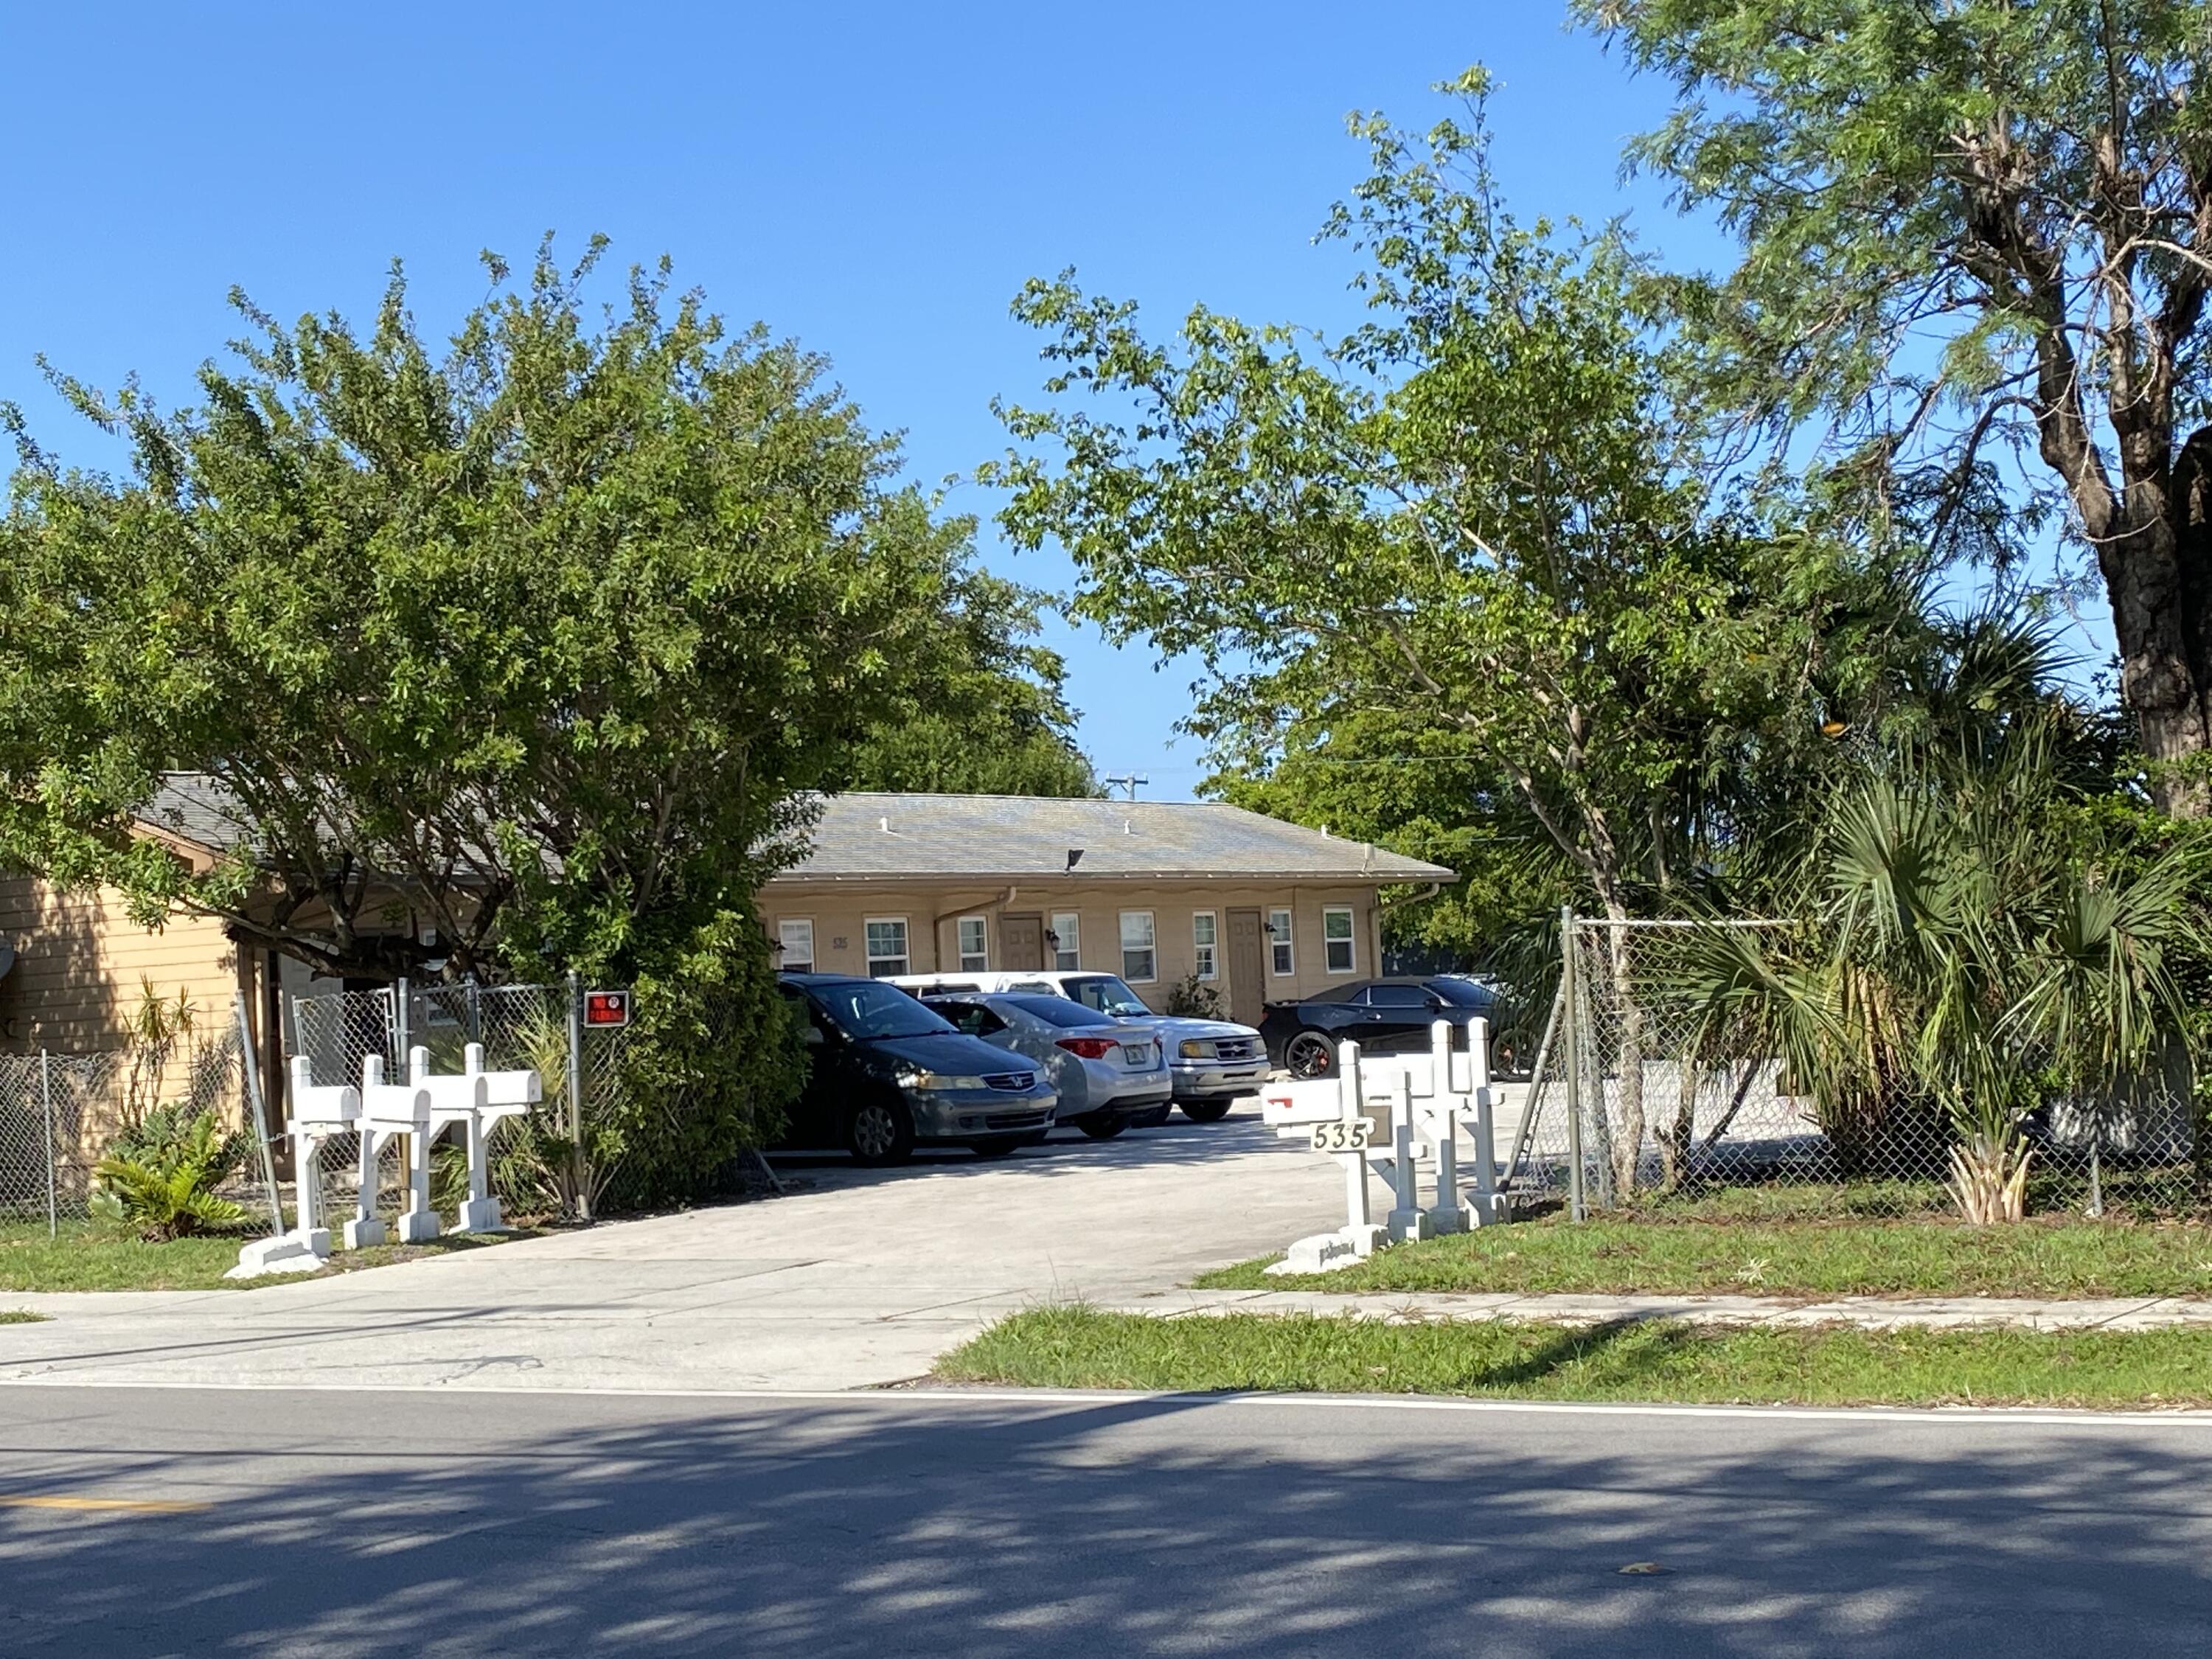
(1870, 1312)
(861, 1282)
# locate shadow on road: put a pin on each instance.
(510, 1524)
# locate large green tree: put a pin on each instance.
(1453, 556)
(992, 718)
(535, 641)
(1977, 246)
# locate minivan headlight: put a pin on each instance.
(1196, 1048)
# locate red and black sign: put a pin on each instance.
(604, 1008)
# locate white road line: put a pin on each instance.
(1976, 1416)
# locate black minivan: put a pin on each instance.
(886, 1075)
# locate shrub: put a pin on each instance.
(1193, 999)
(161, 1175)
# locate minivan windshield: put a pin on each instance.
(1109, 995)
(867, 1009)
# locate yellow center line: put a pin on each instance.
(124, 1505)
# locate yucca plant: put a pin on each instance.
(162, 1176)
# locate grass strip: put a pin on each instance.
(89, 1256)
(1845, 1257)
(19, 1316)
(1650, 1361)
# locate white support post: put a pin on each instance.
(1408, 1219)
(1358, 1219)
(367, 1228)
(1490, 1205)
(1449, 1214)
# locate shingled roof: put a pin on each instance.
(899, 837)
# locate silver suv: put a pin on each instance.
(1213, 1061)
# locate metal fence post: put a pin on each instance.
(53, 1146)
(403, 1018)
(576, 1091)
(476, 1010)
(1576, 1208)
(247, 1063)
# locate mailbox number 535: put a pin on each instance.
(1345, 1135)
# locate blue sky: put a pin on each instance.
(875, 181)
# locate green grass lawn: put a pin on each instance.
(1653, 1361)
(19, 1317)
(1776, 1253)
(89, 1256)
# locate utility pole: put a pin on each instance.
(1128, 781)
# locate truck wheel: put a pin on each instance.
(1206, 1111)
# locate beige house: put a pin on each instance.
(1256, 909)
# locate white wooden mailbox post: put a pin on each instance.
(1395, 1113)
(476, 1100)
(389, 1109)
(317, 1115)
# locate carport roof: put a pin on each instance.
(902, 837)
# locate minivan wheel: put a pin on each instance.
(1103, 1127)
(1308, 1054)
(880, 1132)
(1206, 1111)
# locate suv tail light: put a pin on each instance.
(1089, 1048)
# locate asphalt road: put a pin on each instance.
(435, 1523)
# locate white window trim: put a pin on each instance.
(1352, 940)
(1201, 949)
(1071, 942)
(783, 951)
(1288, 941)
(960, 952)
(1152, 927)
(869, 959)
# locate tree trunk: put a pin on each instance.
(2155, 576)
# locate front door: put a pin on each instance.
(1246, 962)
(1021, 941)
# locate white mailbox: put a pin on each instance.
(474, 1101)
(388, 1110)
(317, 1115)
(1394, 1112)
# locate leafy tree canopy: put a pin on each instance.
(1976, 240)
(535, 639)
(1451, 574)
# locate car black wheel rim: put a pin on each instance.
(874, 1132)
(1309, 1056)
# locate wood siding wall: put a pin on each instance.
(82, 966)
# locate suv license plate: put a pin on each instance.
(1344, 1135)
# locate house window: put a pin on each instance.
(1067, 932)
(974, 946)
(1336, 939)
(797, 938)
(1139, 961)
(886, 946)
(1279, 941)
(1201, 939)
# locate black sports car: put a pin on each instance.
(1382, 1016)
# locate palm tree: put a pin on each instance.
(1965, 956)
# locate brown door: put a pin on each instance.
(1021, 942)
(1247, 963)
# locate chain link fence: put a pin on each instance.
(1640, 1101)
(551, 1162)
(60, 1113)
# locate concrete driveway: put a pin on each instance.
(862, 1280)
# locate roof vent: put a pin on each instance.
(886, 824)
(1127, 829)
